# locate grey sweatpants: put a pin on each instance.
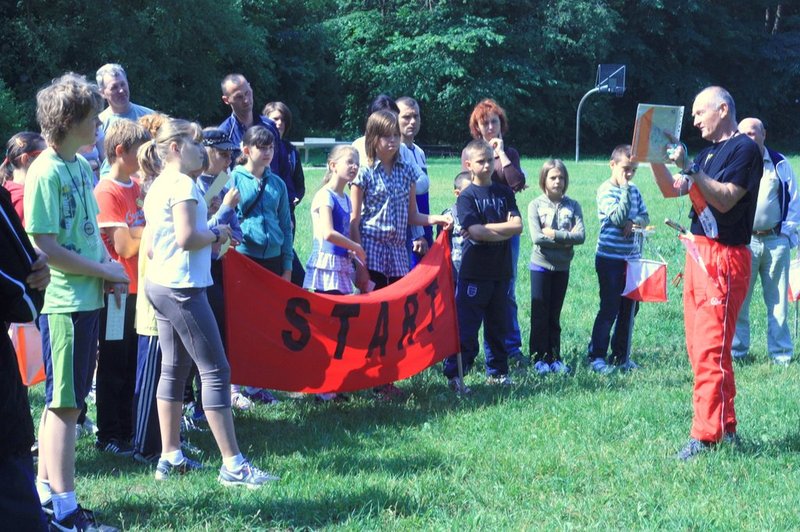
(187, 331)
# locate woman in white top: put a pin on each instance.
(176, 280)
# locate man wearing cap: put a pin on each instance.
(774, 235)
(722, 184)
(237, 93)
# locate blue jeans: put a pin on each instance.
(481, 302)
(770, 260)
(615, 311)
(513, 338)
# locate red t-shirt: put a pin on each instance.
(120, 206)
(16, 190)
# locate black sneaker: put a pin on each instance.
(457, 385)
(148, 459)
(732, 439)
(519, 359)
(117, 447)
(79, 521)
(692, 449)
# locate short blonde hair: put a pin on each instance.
(337, 153)
(126, 133)
(64, 103)
(479, 146)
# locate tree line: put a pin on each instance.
(328, 58)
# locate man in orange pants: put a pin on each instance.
(722, 183)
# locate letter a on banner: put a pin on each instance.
(282, 337)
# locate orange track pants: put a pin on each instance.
(711, 304)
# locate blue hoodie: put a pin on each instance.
(267, 228)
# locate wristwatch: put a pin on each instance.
(695, 168)
(216, 234)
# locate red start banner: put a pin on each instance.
(281, 337)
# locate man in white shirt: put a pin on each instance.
(774, 235)
(410, 122)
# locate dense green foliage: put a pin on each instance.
(329, 58)
(574, 453)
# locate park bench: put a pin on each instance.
(316, 143)
(440, 150)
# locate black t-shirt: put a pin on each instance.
(738, 161)
(485, 205)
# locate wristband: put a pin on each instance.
(216, 235)
(693, 169)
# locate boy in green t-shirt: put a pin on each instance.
(61, 215)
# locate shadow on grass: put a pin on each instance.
(183, 504)
(789, 443)
(261, 509)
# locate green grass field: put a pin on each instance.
(577, 452)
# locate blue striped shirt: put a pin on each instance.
(615, 207)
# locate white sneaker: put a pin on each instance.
(240, 402)
(499, 380)
(88, 428)
(782, 360)
(247, 475)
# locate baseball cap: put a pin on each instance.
(218, 139)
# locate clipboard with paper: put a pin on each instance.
(216, 186)
(651, 133)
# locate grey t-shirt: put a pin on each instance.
(566, 218)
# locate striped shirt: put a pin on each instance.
(615, 207)
(384, 216)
